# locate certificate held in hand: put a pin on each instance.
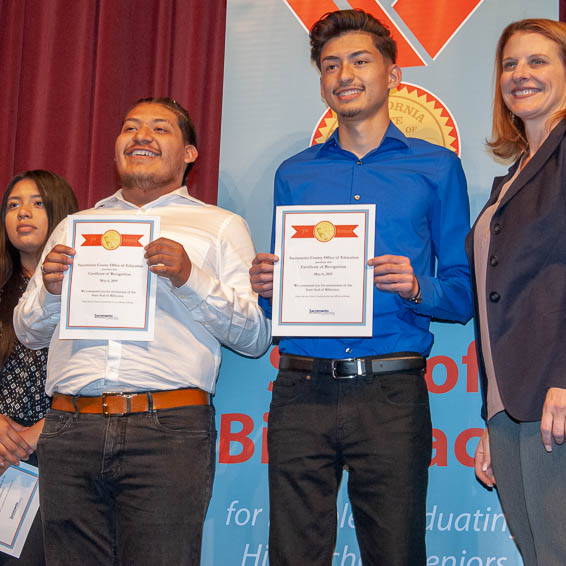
(322, 285)
(109, 292)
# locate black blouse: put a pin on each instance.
(22, 381)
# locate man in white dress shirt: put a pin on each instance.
(127, 477)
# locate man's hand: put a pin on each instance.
(261, 274)
(553, 421)
(482, 461)
(394, 274)
(169, 259)
(54, 265)
(13, 447)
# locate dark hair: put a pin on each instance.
(508, 131)
(183, 119)
(333, 24)
(59, 201)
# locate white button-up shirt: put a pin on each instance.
(215, 306)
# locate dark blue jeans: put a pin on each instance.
(378, 428)
(128, 490)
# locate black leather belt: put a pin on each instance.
(353, 367)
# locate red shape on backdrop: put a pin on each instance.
(407, 55)
(461, 446)
(241, 437)
(309, 11)
(435, 22)
(274, 357)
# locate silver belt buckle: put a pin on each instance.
(127, 396)
(351, 376)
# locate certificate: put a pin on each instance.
(109, 291)
(322, 285)
(19, 502)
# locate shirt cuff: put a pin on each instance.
(426, 290)
(51, 303)
(196, 288)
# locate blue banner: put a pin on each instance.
(272, 109)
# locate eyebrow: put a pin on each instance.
(531, 55)
(16, 197)
(153, 121)
(349, 56)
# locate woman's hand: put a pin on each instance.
(482, 461)
(13, 446)
(31, 434)
(28, 436)
(553, 420)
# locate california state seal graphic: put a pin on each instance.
(415, 111)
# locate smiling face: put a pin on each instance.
(150, 152)
(355, 78)
(26, 218)
(533, 78)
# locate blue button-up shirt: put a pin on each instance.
(422, 212)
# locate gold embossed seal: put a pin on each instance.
(417, 112)
(111, 239)
(324, 231)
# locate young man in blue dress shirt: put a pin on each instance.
(370, 416)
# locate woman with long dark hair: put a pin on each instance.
(33, 204)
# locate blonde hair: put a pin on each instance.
(508, 131)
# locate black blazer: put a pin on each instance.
(526, 281)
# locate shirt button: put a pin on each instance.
(493, 261)
(496, 228)
(357, 197)
(348, 350)
(359, 162)
(494, 297)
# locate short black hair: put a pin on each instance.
(183, 119)
(334, 24)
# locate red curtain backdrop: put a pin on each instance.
(562, 10)
(71, 70)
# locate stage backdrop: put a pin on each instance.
(271, 110)
(71, 70)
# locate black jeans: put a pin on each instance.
(379, 428)
(128, 490)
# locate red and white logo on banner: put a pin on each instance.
(433, 24)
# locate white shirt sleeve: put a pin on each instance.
(226, 304)
(38, 312)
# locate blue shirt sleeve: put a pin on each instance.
(448, 295)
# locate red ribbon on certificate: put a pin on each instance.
(341, 231)
(124, 240)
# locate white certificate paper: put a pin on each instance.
(109, 291)
(19, 502)
(322, 285)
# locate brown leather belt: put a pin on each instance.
(354, 367)
(124, 403)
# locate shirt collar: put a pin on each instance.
(118, 196)
(392, 133)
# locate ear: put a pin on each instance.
(395, 76)
(191, 154)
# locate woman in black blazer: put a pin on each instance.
(517, 253)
